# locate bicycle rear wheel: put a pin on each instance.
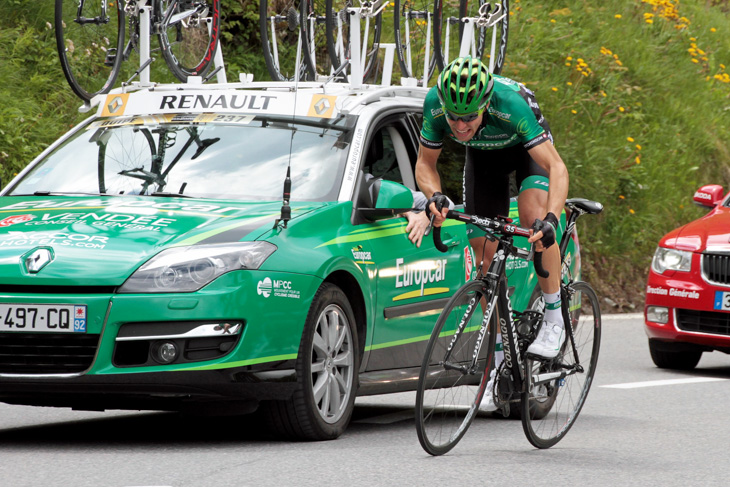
(279, 24)
(338, 37)
(449, 388)
(188, 35)
(550, 407)
(413, 44)
(90, 44)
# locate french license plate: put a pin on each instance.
(722, 300)
(53, 318)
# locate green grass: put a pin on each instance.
(637, 80)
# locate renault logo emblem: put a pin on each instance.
(37, 259)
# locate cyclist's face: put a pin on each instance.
(465, 131)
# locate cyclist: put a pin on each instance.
(500, 123)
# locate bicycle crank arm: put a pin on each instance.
(540, 379)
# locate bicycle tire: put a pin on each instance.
(280, 28)
(187, 41)
(85, 48)
(549, 410)
(412, 40)
(338, 37)
(483, 40)
(447, 400)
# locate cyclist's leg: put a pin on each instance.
(532, 204)
(486, 193)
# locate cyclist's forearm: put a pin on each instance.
(558, 191)
(427, 176)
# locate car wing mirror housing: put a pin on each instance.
(389, 199)
(709, 196)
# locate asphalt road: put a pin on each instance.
(640, 426)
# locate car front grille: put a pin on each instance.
(716, 268)
(25, 353)
(711, 322)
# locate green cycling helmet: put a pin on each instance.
(464, 86)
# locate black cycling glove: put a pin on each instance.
(440, 201)
(548, 226)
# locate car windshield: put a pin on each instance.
(227, 157)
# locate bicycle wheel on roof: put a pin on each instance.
(90, 41)
(487, 43)
(414, 22)
(279, 25)
(338, 22)
(188, 35)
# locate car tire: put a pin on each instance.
(326, 369)
(665, 358)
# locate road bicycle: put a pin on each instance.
(459, 358)
(90, 37)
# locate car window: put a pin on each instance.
(244, 160)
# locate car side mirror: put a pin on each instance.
(388, 199)
(709, 196)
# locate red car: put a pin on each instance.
(687, 308)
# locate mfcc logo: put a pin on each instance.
(278, 287)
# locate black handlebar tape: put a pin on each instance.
(538, 266)
(437, 240)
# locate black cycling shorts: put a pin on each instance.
(486, 183)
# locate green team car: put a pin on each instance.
(192, 247)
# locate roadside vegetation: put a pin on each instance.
(637, 94)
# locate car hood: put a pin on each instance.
(100, 241)
(711, 232)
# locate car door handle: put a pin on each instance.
(450, 241)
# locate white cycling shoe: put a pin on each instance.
(549, 340)
(487, 405)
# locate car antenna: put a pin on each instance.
(285, 208)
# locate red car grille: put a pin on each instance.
(24, 353)
(716, 268)
(711, 322)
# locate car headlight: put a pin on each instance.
(671, 260)
(187, 269)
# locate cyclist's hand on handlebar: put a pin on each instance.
(437, 208)
(543, 235)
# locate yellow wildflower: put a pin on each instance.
(630, 139)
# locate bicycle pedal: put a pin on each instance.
(111, 56)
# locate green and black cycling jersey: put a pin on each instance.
(513, 117)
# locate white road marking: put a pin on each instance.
(668, 382)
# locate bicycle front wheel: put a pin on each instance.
(314, 36)
(90, 41)
(551, 405)
(454, 370)
(414, 23)
(188, 35)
